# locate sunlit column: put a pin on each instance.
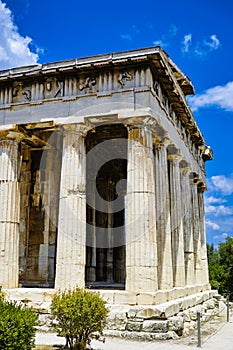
(71, 243)
(9, 213)
(187, 227)
(163, 218)
(140, 226)
(176, 222)
(196, 229)
(204, 261)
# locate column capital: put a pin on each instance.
(77, 129)
(139, 125)
(162, 142)
(185, 167)
(194, 179)
(174, 153)
(20, 133)
(174, 157)
(201, 187)
(10, 132)
(138, 121)
(146, 120)
(141, 134)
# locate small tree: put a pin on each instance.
(17, 326)
(221, 267)
(79, 316)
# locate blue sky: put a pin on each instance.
(197, 36)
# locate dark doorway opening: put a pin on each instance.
(106, 149)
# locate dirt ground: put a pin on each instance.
(209, 330)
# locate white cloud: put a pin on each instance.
(213, 225)
(225, 223)
(3, 54)
(173, 29)
(187, 43)
(220, 96)
(222, 184)
(165, 38)
(221, 237)
(126, 36)
(218, 210)
(200, 48)
(223, 210)
(159, 43)
(14, 48)
(132, 32)
(212, 200)
(210, 209)
(214, 42)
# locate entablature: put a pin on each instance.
(135, 71)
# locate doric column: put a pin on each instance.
(71, 242)
(196, 230)
(163, 218)
(140, 226)
(176, 222)
(187, 227)
(9, 213)
(204, 260)
(91, 232)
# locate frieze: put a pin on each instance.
(27, 94)
(21, 93)
(156, 88)
(53, 88)
(88, 85)
(124, 77)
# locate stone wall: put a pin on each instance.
(137, 315)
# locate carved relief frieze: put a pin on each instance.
(53, 88)
(21, 93)
(165, 101)
(27, 94)
(88, 85)
(156, 88)
(123, 78)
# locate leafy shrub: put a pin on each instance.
(17, 326)
(2, 294)
(221, 267)
(79, 316)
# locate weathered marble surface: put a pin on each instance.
(144, 92)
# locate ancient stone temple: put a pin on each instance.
(102, 175)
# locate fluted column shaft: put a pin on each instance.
(141, 245)
(71, 243)
(196, 232)
(204, 260)
(163, 218)
(91, 234)
(187, 227)
(9, 213)
(176, 223)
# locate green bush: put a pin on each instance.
(2, 294)
(221, 267)
(17, 326)
(79, 316)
